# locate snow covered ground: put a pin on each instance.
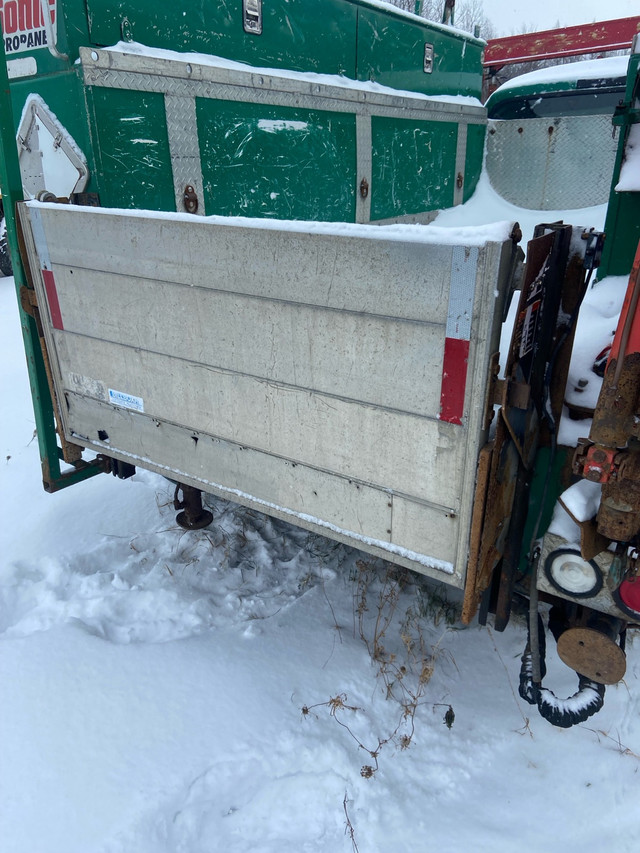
(252, 687)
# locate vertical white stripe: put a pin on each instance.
(464, 267)
(39, 238)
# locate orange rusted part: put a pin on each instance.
(599, 463)
(615, 416)
(627, 337)
(592, 654)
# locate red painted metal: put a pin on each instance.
(568, 41)
(454, 380)
(630, 594)
(52, 298)
(627, 337)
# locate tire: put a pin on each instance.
(5, 258)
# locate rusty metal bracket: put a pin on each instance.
(595, 462)
(190, 199)
(71, 453)
(28, 300)
(504, 392)
(193, 516)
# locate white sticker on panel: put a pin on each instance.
(126, 401)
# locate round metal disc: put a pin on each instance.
(592, 654)
(189, 523)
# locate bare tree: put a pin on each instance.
(468, 15)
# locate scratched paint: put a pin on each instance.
(277, 162)
(133, 148)
(413, 166)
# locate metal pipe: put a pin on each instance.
(51, 36)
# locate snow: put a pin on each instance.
(179, 692)
(487, 208)
(464, 235)
(630, 170)
(189, 58)
(582, 499)
(586, 69)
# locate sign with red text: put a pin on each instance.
(23, 25)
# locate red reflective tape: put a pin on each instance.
(454, 380)
(52, 299)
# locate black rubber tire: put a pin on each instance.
(6, 267)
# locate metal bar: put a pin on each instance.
(45, 11)
(568, 41)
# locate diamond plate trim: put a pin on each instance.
(115, 70)
(569, 167)
(363, 154)
(464, 268)
(181, 82)
(461, 157)
(184, 148)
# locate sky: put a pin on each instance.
(508, 17)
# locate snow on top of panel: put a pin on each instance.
(475, 235)
(137, 49)
(588, 69)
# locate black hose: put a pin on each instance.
(563, 713)
(576, 709)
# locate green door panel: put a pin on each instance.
(473, 160)
(296, 34)
(413, 166)
(277, 162)
(132, 149)
(391, 51)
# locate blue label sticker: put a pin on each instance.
(126, 401)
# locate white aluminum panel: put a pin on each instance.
(340, 353)
(385, 277)
(328, 505)
(389, 449)
(299, 371)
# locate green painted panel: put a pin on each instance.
(622, 225)
(132, 149)
(622, 228)
(277, 162)
(296, 34)
(413, 166)
(391, 50)
(473, 161)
